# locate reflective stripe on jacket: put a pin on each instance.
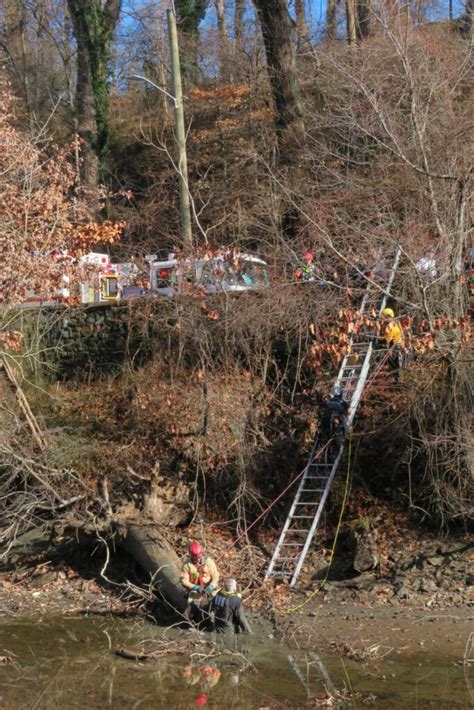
(202, 574)
(229, 615)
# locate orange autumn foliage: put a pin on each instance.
(42, 215)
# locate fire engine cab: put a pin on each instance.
(102, 286)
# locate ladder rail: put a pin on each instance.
(292, 511)
(353, 378)
(363, 305)
(350, 416)
(391, 278)
(316, 518)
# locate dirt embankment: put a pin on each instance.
(398, 568)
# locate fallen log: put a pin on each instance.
(133, 655)
(155, 555)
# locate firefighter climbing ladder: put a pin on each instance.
(315, 484)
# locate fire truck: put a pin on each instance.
(102, 284)
(223, 273)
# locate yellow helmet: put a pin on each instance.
(388, 312)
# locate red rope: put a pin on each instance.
(316, 455)
(298, 476)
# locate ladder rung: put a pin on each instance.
(299, 517)
(292, 544)
(292, 531)
(311, 490)
(280, 573)
(307, 503)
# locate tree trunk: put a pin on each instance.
(300, 16)
(156, 556)
(239, 21)
(351, 23)
(363, 19)
(189, 14)
(93, 24)
(331, 19)
(301, 26)
(86, 119)
(223, 39)
(277, 33)
(465, 21)
(14, 44)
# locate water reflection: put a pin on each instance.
(203, 677)
(70, 663)
(312, 673)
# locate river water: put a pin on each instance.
(70, 663)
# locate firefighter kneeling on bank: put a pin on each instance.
(199, 577)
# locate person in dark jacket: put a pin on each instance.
(228, 610)
(333, 418)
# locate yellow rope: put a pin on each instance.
(344, 501)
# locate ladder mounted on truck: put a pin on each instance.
(313, 490)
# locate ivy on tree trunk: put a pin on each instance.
(94, 23)
(189, 14)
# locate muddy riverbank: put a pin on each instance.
(61, 624)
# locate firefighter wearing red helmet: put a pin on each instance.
(305, 271)
(199, 576)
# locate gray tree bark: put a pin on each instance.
(300, 15)
(277, 31)
(239, 9)
(223, 39)
(351, 22)
(363, 8)
(94, 22)
(331, 19)
(156, 556)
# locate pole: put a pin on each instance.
(180, 134)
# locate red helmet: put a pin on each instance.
(201, 700)
(308, 255)
(196, 550)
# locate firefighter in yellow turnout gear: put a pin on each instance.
(394, 338)
(199, 577)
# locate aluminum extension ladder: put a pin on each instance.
(313, 490)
